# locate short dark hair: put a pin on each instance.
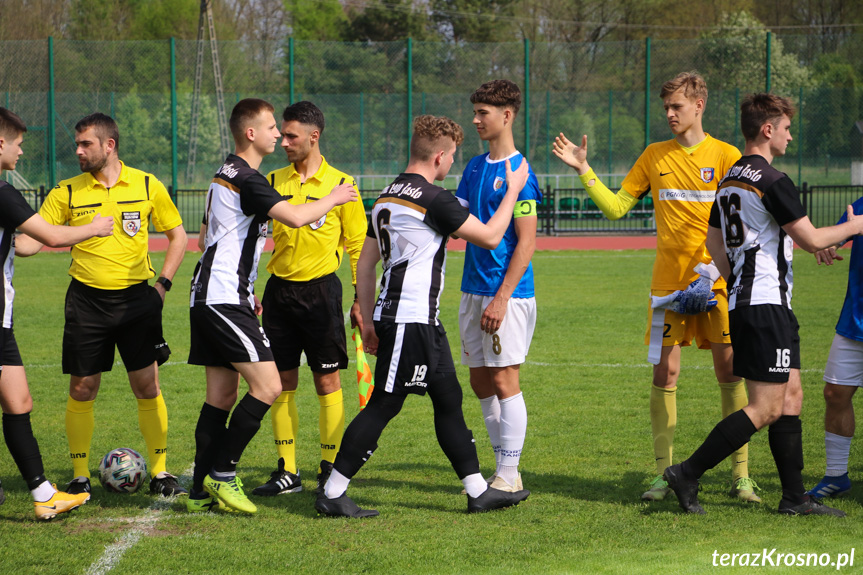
(428, 131)
(106, 127)
(11, 125)
(306, 113)
(759, 109)
(244, 112)
(500, 93)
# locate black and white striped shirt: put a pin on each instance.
(14, 211)
(754, 201)
(238, 202)
(412, 220)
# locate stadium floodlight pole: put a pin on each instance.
(767, 63)
(647, 91)
(52, 145)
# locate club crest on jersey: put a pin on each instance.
(498, 183)
(131, 223)
(706, 175)
(317, 224)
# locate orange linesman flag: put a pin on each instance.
(364, 372)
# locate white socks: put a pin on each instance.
(336, 485)
(474, 485)
(491, 414)
(513, 428)
(838, 448)
(43, 492)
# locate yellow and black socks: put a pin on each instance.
(153, 422)
(286, 423)
(734, 399)
(331, 424)
(663, 421)
(80, 423)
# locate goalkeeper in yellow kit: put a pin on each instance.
(682, 175)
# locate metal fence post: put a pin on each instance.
(647, 91)
(610, 133)
(767, 63)
(527, 99)
(410, 96)
(547, 132)
(291, 70)
(174, 127)
(362, 134)
(52, 144)
(800, 135)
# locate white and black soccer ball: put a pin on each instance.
(123, 470)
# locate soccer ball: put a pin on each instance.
(123, 470)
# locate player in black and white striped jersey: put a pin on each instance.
(754, 222)
(411, 221)
(225, 333)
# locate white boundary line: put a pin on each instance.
(141, 526)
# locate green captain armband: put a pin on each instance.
(524, 208)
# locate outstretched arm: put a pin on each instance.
(488, 235)
(298, 216)
(613, 206)
(39, 233)
(813, 239)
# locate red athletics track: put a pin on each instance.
(158, 243)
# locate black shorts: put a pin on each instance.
(223, 334)
(97, 320)
(411, 356)
(306, 316)
(766, 342)
(9, 354)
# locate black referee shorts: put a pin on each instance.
(9, 354)
(97, 320)
(306, 316)
(766, 342)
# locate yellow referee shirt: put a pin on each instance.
(315, 250)
(683, 186)
(122, 259)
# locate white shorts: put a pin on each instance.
(508, 345)
(845, 364)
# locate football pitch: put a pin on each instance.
(586, 460)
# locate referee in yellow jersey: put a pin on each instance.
(303, 298)
(109, 301)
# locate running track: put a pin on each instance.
(159, 243)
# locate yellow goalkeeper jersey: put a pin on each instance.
(122, 259)
(315, 250)
(683, 186)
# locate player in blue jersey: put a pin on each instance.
(844, 371)
(497, 314)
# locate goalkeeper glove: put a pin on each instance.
(696, 298)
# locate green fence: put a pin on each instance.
(370, 91)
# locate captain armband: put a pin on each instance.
(524, 208)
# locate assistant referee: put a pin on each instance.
(109, 301)
(303, 297)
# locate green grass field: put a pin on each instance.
(587, 457)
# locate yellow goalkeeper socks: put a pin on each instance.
(153, 422)
(734, 399)
(80, 423)
(331, 423)
(663, 421)
(286, 422)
